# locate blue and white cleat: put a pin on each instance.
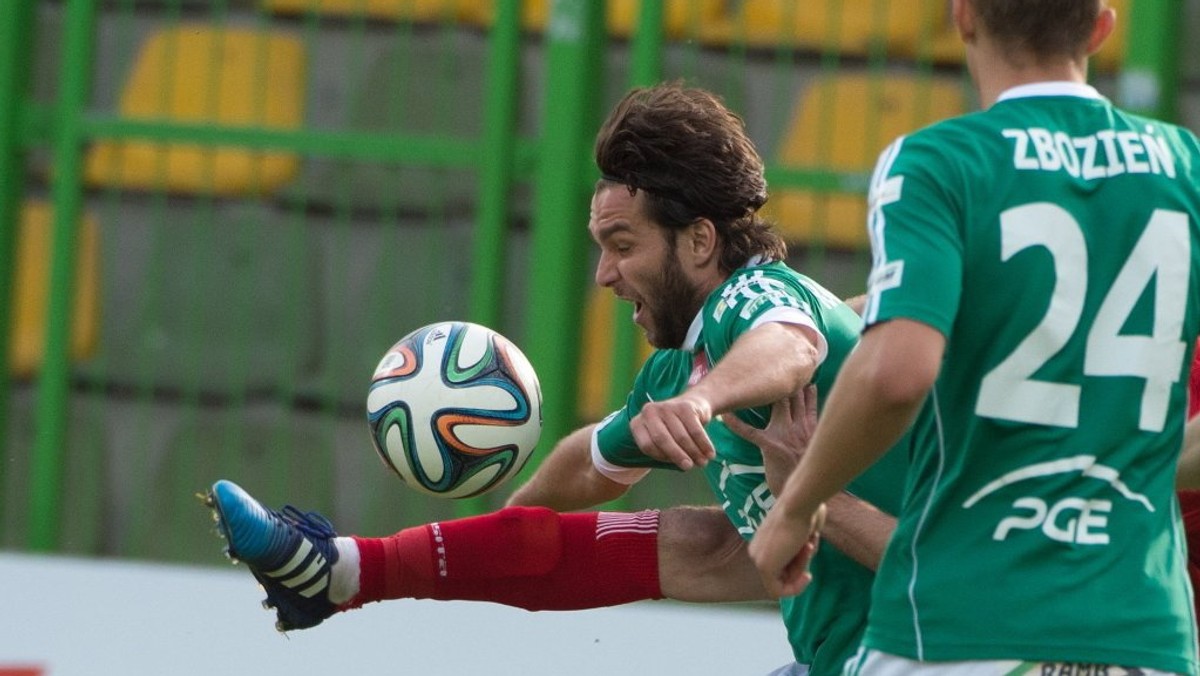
(290, 552)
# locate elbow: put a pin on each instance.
(804, 356)
(901, 362)
(902, 389)
(900, 383)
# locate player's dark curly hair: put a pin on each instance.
(691, 156)
(1042, 28)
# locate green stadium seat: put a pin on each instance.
(210, 75)
(32, 288)
(841, 124)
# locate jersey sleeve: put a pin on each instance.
(757, 297)
(615, 453)
(916, 245)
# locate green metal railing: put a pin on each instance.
(15, 40)
(554, 160)
(46, 504)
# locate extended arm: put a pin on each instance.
(763, 365)
(567, 480)
(857, 528)
(879, 391)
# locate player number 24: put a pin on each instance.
(1009, 391)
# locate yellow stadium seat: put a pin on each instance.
(841, 124)
(595, 358)
(844, 26)
(219, 76)
(31, 290)
(395, 10)
(681, 17)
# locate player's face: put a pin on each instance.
(640, 263)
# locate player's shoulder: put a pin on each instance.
(1183, 138)
(941, 139)
(948, 150)
(768, 287)
(758, 278)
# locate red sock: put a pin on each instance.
(528, 557)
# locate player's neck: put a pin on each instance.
(996, 71)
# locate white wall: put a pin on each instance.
(92, 617)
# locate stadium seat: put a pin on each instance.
(32, 290)
(595, 362)
(393, 10)
(845, 26)
(218, 297)
(205, 74)
(682, 17)
(841, 124)
(402, 88)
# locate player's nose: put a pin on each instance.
(606, 270)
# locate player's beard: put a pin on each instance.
(673, 307)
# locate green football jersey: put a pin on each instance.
(1051, 239)
(824, 625)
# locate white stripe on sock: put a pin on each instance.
(614, 523)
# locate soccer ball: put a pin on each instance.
(455, 409)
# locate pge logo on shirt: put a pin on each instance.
(1070, 519)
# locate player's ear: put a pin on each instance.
(1105, 23)
(701, 242)
(963, 16)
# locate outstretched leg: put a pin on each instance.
(528, 557)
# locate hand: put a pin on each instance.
(673, 431)
(782, 548)
(785, 437)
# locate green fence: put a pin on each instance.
(245, 202)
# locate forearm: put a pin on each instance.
(566, 480)
(843, 446)
(857, 529)
(763, 365)
(881, 387)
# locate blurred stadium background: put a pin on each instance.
(216, 215)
